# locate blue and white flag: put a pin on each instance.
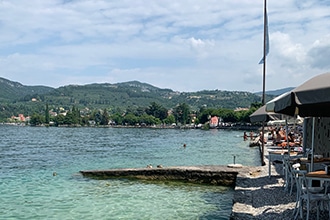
(267, 38)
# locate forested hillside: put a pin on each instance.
(16, 98)
(14, 91)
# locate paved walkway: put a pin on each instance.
(259, 197)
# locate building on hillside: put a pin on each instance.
(214, 122)
(52, 113)
(19, 118)
(240, 109)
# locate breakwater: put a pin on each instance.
(214, 175)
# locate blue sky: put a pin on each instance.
(186, 45)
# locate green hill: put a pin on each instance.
(13, 91)
(16, 98)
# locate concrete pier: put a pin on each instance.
(215, 175)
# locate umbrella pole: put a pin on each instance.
(312, 158)
(286, 135)
(264, 82)
(263, 144)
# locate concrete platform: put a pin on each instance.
(215, 175)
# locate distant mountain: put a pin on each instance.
(10, 90)
(276, 92)
(105, 95)
(137, 94)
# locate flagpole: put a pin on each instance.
(265, 53)
(264, 81)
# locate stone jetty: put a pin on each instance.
(211, 174)
(256, 195)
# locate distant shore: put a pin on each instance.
(232, 127)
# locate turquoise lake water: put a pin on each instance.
(30, 155)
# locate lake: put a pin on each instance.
(30, 155)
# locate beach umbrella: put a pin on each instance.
(310, 99)
(261, 115)
(270, 106)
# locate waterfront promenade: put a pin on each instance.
(256, 196)
(259, 197)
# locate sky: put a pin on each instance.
(185, 45)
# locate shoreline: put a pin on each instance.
(237, 127)
(256, 195)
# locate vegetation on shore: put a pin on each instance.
(154, 114)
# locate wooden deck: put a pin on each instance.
(215, 175)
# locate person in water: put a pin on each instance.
(251, 135)
(245, 137)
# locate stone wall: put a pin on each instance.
(215, 175)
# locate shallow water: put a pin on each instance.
(30, 155)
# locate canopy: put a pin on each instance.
(261, 115)
(312, 98)
(270, 106)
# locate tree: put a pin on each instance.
(256, 105)
(157, 111)
(69, 118)
(85, 120)
(245, 115)
(104, 118)
(130, 119)
(149, 119)
(36, 119)
(169, 120)
(181, 113)
(228, 115)
(76, 118)
(117, 118)
(59, 119)
(204, 114)
(97, 117)
(47, 114)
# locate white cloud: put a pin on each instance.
(200, 47)
(287, 50)
(320, 53)
(186, 45)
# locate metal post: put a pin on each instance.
(264, 83)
